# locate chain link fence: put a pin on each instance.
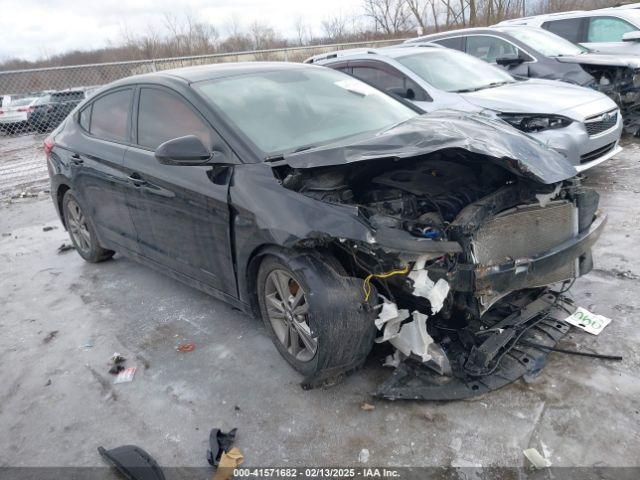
(37, 100)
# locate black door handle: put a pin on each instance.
(137, 181)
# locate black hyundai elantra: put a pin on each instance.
(337, 214)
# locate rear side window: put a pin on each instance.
(110, 116)
(455, 43)
(490, 48)
(569, 28)
(163, 116)
(608, 29)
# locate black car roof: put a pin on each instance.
(212, 72)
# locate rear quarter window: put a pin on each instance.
(110, 116)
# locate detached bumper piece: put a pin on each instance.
(488, 355)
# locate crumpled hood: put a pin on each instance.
(550, 97)
(442, 130)
(602, 59)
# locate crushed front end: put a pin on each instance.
(464, 251)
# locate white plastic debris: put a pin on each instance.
(536, 459)
(423, 286)
(363, 456)
(545, 198)
(587, 321)
(413, 337)
(392, 360)
(390, 319)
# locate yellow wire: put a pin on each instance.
(367, 281)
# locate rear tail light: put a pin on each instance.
(48, 146)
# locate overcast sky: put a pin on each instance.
(34, 28)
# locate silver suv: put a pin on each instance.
(582, 124)
(607, 30)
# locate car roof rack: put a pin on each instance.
(341, 53)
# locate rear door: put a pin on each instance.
(99, 137)
(181, 213)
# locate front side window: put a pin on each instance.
(85, 118)
(393, 82)
(490, 49)
(568, 28)
(163, 116)
(547, 43)
(453, 71)
(110, 116)
(281, 111)
(608, 29)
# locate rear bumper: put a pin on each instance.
(523, 272)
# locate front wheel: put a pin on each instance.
(81, 231)
(317, 318)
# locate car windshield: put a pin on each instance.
(286, 110)
(547, 43)
(453, 71)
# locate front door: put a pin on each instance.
(181, 213)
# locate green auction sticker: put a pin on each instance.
(589, 322)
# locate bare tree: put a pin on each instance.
(303, 31)
(335, 28)
(391, 17)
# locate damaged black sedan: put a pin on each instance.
(338, 215)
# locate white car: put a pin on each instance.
(607, 30)
(582, 124)
(13, 116)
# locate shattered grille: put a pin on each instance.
(601, 123)
(524, 232)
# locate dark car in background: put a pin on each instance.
(50, 109)
(536, 53)
(335, 213)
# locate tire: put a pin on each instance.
(81, 231)
(335, 316)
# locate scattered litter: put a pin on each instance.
(363, 456)
(536, 459)
(48, 228)
(117, 358)
(132, 462)
(587, 321)
(65, 247)
(48, 383)
(50, 336)
(236, 408)
(86, 345)
(228, 462)
(125, 375)
(116, 369)
(6, 234)
(186, 347)
(219, 443)
(367, 407)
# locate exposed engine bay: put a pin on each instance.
(457, 315)
(622, 85)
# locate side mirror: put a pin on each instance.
(631, 36)
(408, 93)
(187, 150)
(510, 60)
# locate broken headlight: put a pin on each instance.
(535, 123)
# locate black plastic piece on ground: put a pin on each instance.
(132, 462)
(219, 442)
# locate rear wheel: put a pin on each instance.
(81, 231)
(316, 317)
